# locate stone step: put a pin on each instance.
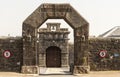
(64, 71)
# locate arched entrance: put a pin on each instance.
(53, 57)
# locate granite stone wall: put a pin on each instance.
(110, 62)
(14, 62)
(112, 59)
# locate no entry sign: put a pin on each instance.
(103, 53)
(6, 54)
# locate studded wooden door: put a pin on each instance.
(53, 57)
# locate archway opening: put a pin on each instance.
(53, 56)
(64, 24)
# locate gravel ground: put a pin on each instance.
(91, 74)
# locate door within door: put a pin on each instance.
(53, 57)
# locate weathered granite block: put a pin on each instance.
(30, 69)
(81, 69)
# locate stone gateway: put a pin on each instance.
(34, 55)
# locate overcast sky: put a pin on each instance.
(102, 15)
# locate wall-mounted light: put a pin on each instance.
(83, 37)
(29, 38)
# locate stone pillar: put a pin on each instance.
(29, 49)
(64, 60)
(65, 55)
(42, 60)
(81, 50)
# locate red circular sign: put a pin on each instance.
(6, 54)
(102, 53)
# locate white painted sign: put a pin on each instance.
(6, 54)
(103, 53)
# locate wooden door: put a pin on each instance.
(53, 57)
